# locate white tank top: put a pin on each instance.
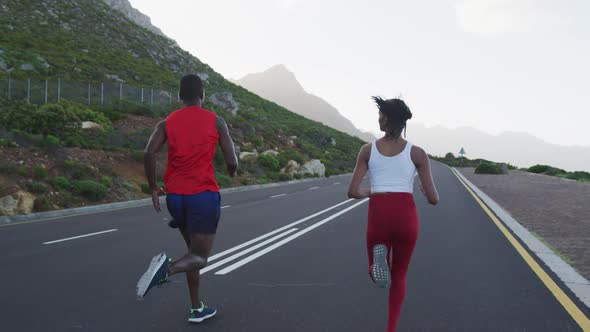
(392, 174)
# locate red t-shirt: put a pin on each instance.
(192, 141)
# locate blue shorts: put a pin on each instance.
(197, 213)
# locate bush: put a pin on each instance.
(269, 162)
(7, 143)
(137, 155)
(78, 170)
(223, 180)
(579, 176)
(284, 177)
(42, 204)
(89, 189)
(107, 181)
(84, 113)
(539, 169)
(488, 168)
(61, 183)
(40, 173)
(38, 187)
(297, 176)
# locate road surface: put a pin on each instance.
(289, 258)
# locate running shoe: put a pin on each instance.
(156, 274)
(380, 268)
(199, 315)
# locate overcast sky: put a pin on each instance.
(495, 65)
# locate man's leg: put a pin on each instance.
(193, 277)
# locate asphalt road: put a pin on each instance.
(310, 274)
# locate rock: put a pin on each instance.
(270, 152)
(3, 65)
(77, 70)
(91, 125)
(333, 142)
(249, 156)
(85, 50)
(44, 63)
(203, 76)
(124, 6)
(27, 67)
(19, 202)
(291, 168)
(114, 78)
(1, 51)
(313, 167)
(226, 101)
(294, 138)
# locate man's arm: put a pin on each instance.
(154, 146)
(227, 147)
(362, 166)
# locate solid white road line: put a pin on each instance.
(280, 195)
(225, 207)
(336, 183)
(314, 188)
(264, 236)
(81, 236)
(286, 240)
(242, 253)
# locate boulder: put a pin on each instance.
(91, 125)
(313, 167)
(114, 78)
(27, 67)
(19, 202)
(249, 156)
(291, 168)
(226, 101)
(333, 142)
(3, 65)
(270, 152)
(203, 76)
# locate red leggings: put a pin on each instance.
(393, 221)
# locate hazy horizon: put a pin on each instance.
(494, 65)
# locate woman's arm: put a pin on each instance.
(422, 162)
(362, 166)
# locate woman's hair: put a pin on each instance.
(396, 112)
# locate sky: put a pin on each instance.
(494, 65)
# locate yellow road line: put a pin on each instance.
(559, 294)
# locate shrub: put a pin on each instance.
(488, 168)
(539, 169)
(137, 155)
(61, 183)
(53, 119)
(223, 180)
(269, 162)
(284, 177)
(78, 170)
(42, 204)
(579, 176)
(297, 176)
(38, 187)
(107, 181)
(89, 189)
(84, 113)
(40, 173)
(7, 143)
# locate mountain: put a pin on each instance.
(134, 15)
(280, 85)
(87, 41)
(520, 149)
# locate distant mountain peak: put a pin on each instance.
(281, 86)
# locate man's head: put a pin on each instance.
(191, 89)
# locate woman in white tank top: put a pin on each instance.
(392, 228)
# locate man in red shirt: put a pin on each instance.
(193, 199)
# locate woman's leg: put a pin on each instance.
(405, 236)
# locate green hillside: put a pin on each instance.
(86, 41)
